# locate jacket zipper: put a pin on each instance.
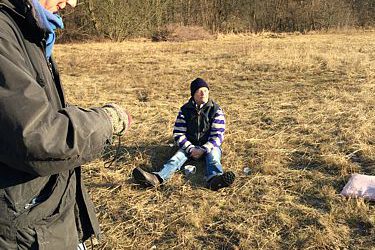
(198, 123)
(43, 45)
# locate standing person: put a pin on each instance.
(199, 132)
(43, 142)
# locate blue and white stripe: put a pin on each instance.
(216, 136)
(179, 133)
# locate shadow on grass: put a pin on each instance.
(315, 196)
(220, 236)
(216, 241)
(158, 155)
(366, 164)
(312, 162)
(329, 176)
(360, 226)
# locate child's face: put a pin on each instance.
(201, 95)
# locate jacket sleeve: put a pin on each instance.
(179, 133)
(34, 136)
(217, 130)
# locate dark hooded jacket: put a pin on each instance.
(199, 122)
(43, 202)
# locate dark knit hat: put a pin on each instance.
(196, 84)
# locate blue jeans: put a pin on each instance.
(213, 164)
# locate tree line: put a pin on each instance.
(123, 19)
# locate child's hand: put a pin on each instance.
(197, 153)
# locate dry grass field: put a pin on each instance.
(300, 114)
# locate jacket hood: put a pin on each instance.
(25, 10)
(20, 7)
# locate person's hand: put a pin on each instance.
(197, 153)
(119, 118)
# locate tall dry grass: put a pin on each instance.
(300, 114)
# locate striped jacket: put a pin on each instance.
(202, 127)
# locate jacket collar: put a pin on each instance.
(191, 103)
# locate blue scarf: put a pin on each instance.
(50, 22)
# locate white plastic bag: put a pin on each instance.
(360, 185)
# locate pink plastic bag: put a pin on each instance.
(360, 185)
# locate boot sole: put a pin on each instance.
(222, 181)
(140, 178)
(229, 178)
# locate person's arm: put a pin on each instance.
(216, 136)
(34, 136)
(179, 133)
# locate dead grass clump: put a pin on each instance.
(179, 33)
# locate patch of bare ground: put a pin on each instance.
(300, 114)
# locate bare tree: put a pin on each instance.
(121, 19)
